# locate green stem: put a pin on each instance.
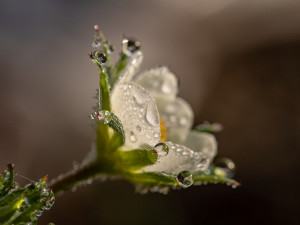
(74, 177)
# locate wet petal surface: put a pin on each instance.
(202, 142)
(133, 65)
(137, 111)
(161, 84)
(179, 158)
(178, 117)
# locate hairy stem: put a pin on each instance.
(72, 178)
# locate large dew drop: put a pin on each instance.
(161, 149)
(185, 178)
(130, 46)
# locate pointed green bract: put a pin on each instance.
(104, 90)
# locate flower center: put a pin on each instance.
(163, 131)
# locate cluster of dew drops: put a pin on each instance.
(223, 167)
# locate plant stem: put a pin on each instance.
(67, 181)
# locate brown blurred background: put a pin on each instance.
(238, 63)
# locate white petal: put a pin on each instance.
(161, 84)
(137, 111)
(178, 159)
(202, 142)
(132, 67)
(178, 117)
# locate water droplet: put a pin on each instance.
(151, 115)
(225, 168)
(185, 178)
(102, 116)
(138, 128)
(107, 117)
(130, 46)
(97, 115)
(99, 56)
(111, 48)
(38, 213)
(132, 137)
(89, 181)
(183, 121)
(162, 149)
(97, 40)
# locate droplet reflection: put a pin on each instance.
(185, 178)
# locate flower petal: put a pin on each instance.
(161, 84)
(178, 117)
(202, 142)
(178, 159)
(131, 68)
(138, 114)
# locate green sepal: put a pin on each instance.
(137, 159)
(153, 179)
(104, 90)
(107, 51)
(202, 178)
(118, 138)
(102, 139)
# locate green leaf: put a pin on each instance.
(11, 202)
(20, 206)
(7, 180)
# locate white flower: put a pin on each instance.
(140, 101)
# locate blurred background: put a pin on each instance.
(238, 63)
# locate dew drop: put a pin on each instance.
(97, 40)
(130, 46)
(132, 137)
(99, 56)
(185, 178)
(107, 117)
(138, 128)
(225, 168)
(151, 116)
(162, 149)
(38, 213)
(102, 116)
